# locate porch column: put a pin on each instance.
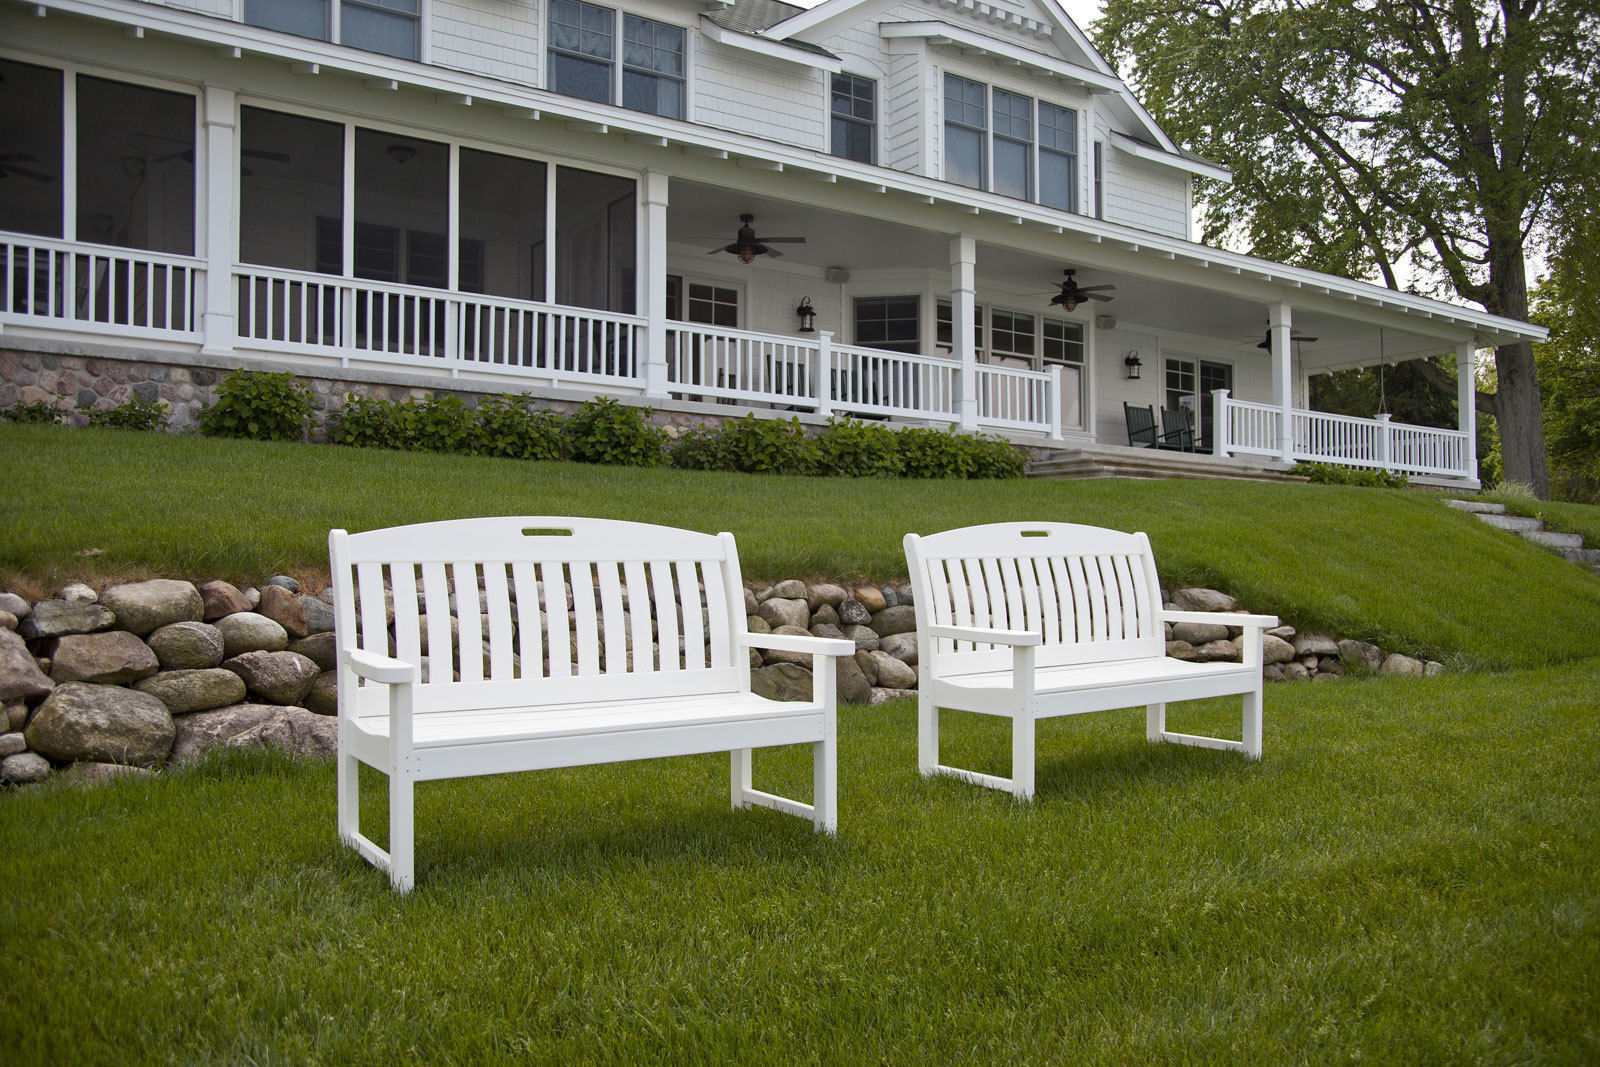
(221, 205)
(654, 272)
(1467, 401)
(963, 312)
(1281, 322)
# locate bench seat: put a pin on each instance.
(1100, 686)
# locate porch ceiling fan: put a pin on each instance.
(1294, 335)
(9, 165)
(747, 246)
(1071, 294)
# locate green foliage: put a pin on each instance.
(1333, 474)
(441, 422)
(40, 411)
(929, 453)
(131, 414)
(1569, 368)
(514, 427)
(605, 431)
(364, 422)
(993, 456)
(749, 446)
(260, 405)
(856, 448)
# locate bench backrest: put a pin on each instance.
(1092, 593)
(632, 584)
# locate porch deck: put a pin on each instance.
(1120, 461)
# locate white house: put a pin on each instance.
(548, 195)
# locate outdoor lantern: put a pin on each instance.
(1135, 368)
(808, 315)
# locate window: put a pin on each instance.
(1182, 375)
(1063, 347)
(1012, 334)
(291, 167)
(135, 166)
(854, 118)
(30, 148)
(583, 58)
(713, 305)
(1013, 144)
(402, 208)
(945, 316)
(595, 240)
(888, 322)
(1099, 186)
(386, 26)
(963, 132)
(502, 215)
(1058, 157)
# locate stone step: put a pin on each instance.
(1551, 539)
(1477, 507)
(1589, 557)
(1514, 523)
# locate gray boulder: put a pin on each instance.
(1217, 652)
(892, 674)
(1310, 644)
(323, 698)
(20, 676)
(1181, 650)
(78, 593)
(187, 646)
(868, 665)
(11, 744)
(318, 614)
(750, 601)
(249, 632)
(285, 609)
(900, 619)
(141, 607)
(791, 589)
(15, 604)
(1194, 598)
(24, 768)
(1285, 633)
(320, 649)
(1395, 663)
(101, 723)
(14, 716)
(1360, 655)
(276, 677)
(194, 690)
(221, 599)
(283, 581)
(779, 655)
(292, 730)
(849, 683)
(88, 775)
(852, 612)
(8, 621)
(1275, 649)
(824, 614)
(784, 611)
(1294, 672)
(826, 629)
(115, 658)
(757, 625)
(870, 596)
(1432, 669)
(865, 637)
(781, 681)
(57, 618)
(902, 647)
(1198, 633)
(825, 594)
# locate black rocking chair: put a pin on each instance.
(1143, 431)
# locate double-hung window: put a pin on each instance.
(964, 132)
(583, 58)
(1058, 157)
(1013, 144)
(386, 26)
(854, 109)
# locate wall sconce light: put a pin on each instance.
(808, 315)
(1135, 368)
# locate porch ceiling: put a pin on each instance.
(705, 216)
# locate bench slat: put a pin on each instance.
(497, 601)
(611, 622)
(469, 612)
(639, 602)
(717, 618)
(530, 633)
(436, 609)
(666, 614)
(584, 621)
(408, 643)
(374, 619)
(694, 623)
(558, 661)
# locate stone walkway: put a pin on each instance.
(1566, 545)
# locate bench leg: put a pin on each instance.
(349, 798)
(1022, 750)
(1155, 722)
(741, 783)
(401, 831)
(927, 734)
(1252, 724)
(825, 786)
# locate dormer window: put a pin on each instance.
(385, 26)
(583, 58)
(991, 142)
(855, 126)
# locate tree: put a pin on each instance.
(1431, 143)
(1569, 368)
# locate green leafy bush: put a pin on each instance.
(929, 453)
(437, 423)
(261, 405)
(753, 446)
(1333, 474)
(698, 449)
(993, 456)
(364, 422)
(857, 449)
(604, 431)
(38, 411)
(514, 428)
(132, 414)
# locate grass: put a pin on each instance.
(1392, 566)
(1409, 875)
(1557, 514)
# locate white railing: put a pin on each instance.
(1019, 399)
(1246, 428)
(711, 361)
(297, 311)
(100, 289)
(872, 381)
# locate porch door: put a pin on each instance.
(708, 305)
(1189, 385)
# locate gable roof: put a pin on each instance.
(752, 17)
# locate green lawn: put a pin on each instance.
(1409, 876)
(1557, 515)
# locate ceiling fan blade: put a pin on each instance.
(18, 157)
(781, 240)
(262, 153)
(774, 253)
(1094, 288)
(714, 251)
(24, 172)
(1097, 296)
(1308, 340)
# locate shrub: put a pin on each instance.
(857, 449)
(993, 456)
(772, 446)
(927, 453)
(132, 414)
(364, 422)
(699, 449)
(261, 405)
(437, 423)
(38, 411)
(512, 427)
(1333, 474)
(604, 431)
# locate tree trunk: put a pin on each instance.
(1519, 412)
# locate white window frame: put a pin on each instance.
(334, 24)
(877, 112)
(617, 63)
(990, 136)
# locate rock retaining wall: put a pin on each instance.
(96, 685)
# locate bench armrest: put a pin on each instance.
(816, 646)
(1222, 618)
(378, 668)
(1015, 638)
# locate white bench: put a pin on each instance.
(1030, 620)
(651, 660)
